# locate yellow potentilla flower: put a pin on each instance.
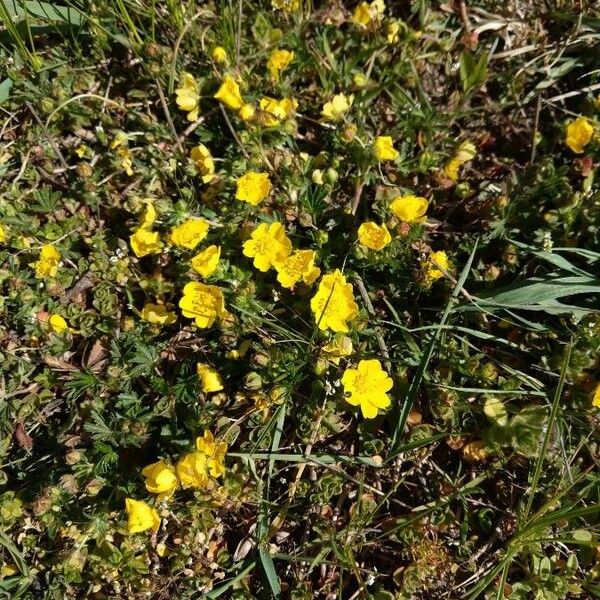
(373, 236)
(247, 112)
(434, 266)
(579, 134)
(253, 187)
(393, 30)
(189, 234)
(205, 263)
(188, 95)
(336, 107)
(148, 216)
(410, 209)
(161, 479)
(229, 93)
(367, 387)
(274, 111)
(144, 242)
(362, 15)
(125, 159)
(339, 347)
(366, 14)
(286, 5)
(299, 266)
(120, 139)
(278, 62)
(47, 264)
(192, 470)
(463, 154)
(333, 305)
(157, 314)
(202, 302)
(204, 162)
(219, 54)
(384, 148)
(3, 234)
(359, 79)
(210, 380)
(475, 451)
(58, 324)
(268, 246)
(140, 516)
(214, 451)
(596, 398)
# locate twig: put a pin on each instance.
(238, 37)
(464, 15)
(536, 123)
(165, 106)
(234, 132)
(56, 149)
(357, 195)
(371, 310)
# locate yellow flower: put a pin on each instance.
(579, 134)
(214, 451)
(278, 62)
(188, 96)
(268, 246)
(367, 387)
(475, 451)
(192, 470)
(252, 187)
(202, 302)
(3, 234)
(410, 209)
(140, 516)
(384, 148)
(148, 216)
(333, 304)
(219, 54)
(359, 79)
(274, 111)
(205, 263)
(362, 15)
(47, 264)
(161, 479)
(296, 267)
(596, 398)
(229, 93)
(392, 32)
(434, 265)
(58, 324)
(204, 162)
(336, 107)
(286, 5)
(463, 154)
(210, 380)
(157, 314)
(339, 347)
(126, 159)
(144, 242)
(366, 14)
(189, 234)
(120, 139)
(373, 236)
(247, 112)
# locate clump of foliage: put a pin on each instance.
(299, 299)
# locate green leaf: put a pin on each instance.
(472, 73)
(5, 88)
(44, 11)
(495, 411)
(271, 574)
